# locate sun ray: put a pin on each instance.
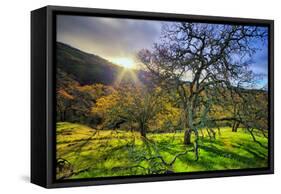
(127, 75)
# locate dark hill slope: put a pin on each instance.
(84, 67)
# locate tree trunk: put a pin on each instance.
(235, 126)
(219, 131)
(196, 146)
(63, 116)
(143, 130)
(187, 137)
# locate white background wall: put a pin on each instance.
(15, 95)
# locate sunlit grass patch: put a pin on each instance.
(103, 153)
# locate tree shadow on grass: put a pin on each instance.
(256, 151)
(225, 154)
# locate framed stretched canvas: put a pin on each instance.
(125, 96)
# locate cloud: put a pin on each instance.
(107, 37)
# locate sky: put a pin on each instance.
(118, 40)
(107, 37)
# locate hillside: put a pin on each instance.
(84, 67)
(89, 68)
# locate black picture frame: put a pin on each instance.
(43, 49)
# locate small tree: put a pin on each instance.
(64, 104)
(130, 104)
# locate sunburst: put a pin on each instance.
(125, 62)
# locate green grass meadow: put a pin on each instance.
(91, 153)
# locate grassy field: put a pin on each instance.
(83, 152)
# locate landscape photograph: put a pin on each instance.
(148, 97)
